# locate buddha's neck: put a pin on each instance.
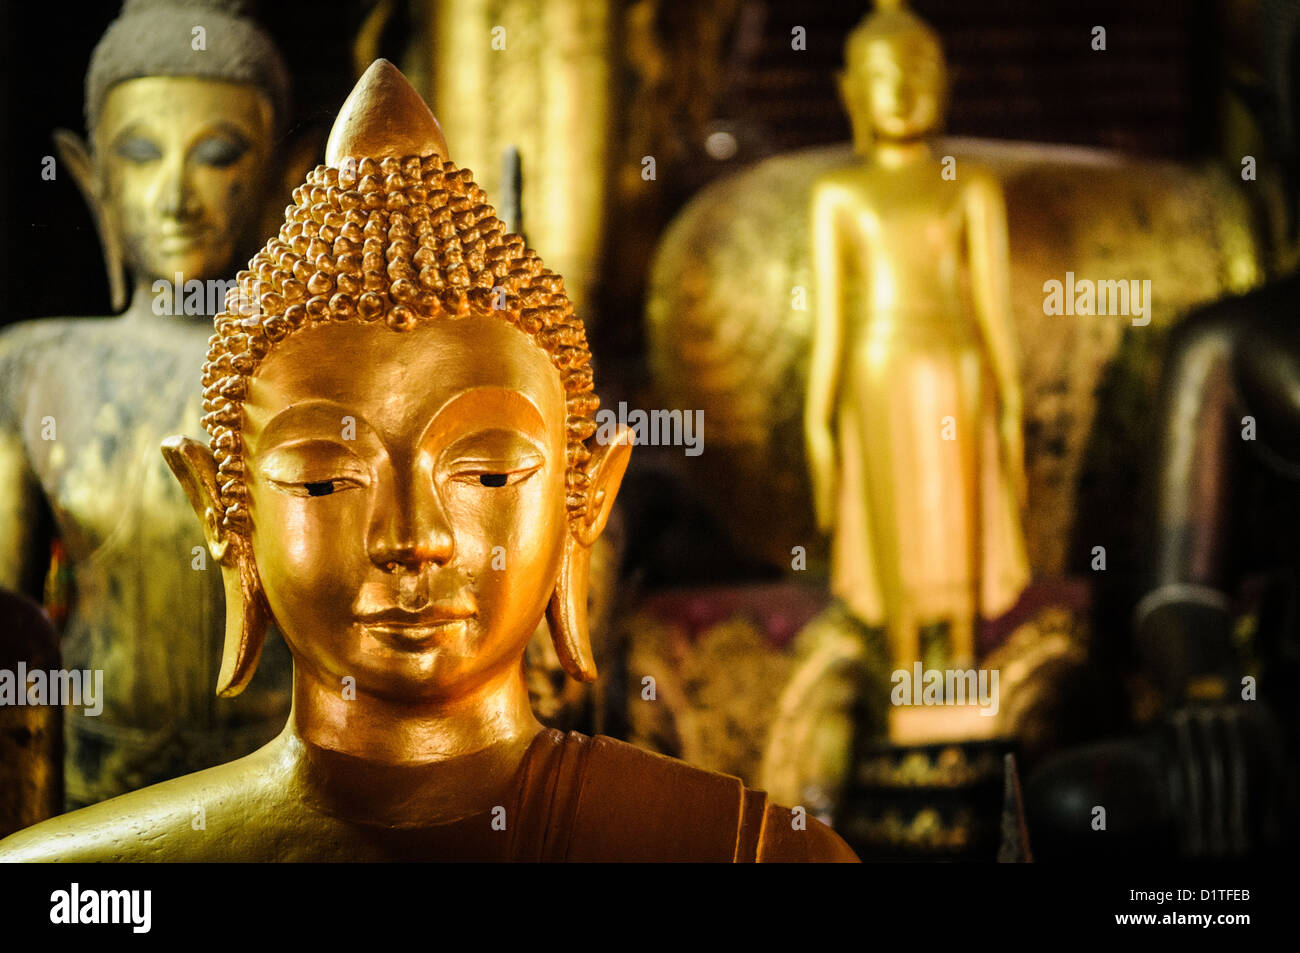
(377, 761)
(896, 153)
(146, 305)
(404, 732)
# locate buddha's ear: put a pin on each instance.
(247, 614)
(567, 613)
(78, 159)
(605, 472)
(195, 468)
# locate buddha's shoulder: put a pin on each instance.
(46, 332)
(44, 345)
(88, 335)
(193, 817)
(840, 180)
(646, 806)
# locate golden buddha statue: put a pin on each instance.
(913, 412)
(403, 477)
(177, 170)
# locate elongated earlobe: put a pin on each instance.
(76, 156)
(247, 620)
(247, 614)
(567, 613)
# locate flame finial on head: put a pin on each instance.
(888, 20)
(384, 116)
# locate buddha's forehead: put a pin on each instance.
(913, 47)
(396, 382)
(182, 104)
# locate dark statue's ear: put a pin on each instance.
(77, 157)
(567, 613)
(296, 154)
(247, 614)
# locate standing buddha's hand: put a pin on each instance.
(1011, 431)
(821, 460)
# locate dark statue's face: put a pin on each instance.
(183, 163)
(407, 496)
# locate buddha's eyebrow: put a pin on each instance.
(499, 406)
(226, 128)
(130, 131)
(517, 441)
(327, 415)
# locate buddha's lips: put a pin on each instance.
(417, 631)
(430, 616)
(182, 236)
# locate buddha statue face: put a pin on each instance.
(894, 85)
(409, 536)
(180, 164)
(400, 401)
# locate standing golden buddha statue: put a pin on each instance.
(176, 171)
(913, 412)
(405, 477)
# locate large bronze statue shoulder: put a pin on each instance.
(39, 357)
(184, 819)
(25, 343)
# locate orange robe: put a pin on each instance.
(598, 799)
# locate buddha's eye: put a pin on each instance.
(317, 487)
(313, 467)
(219, 151)
(491, 459)
(497, 476)
(138, 149)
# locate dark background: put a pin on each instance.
(1020, 70)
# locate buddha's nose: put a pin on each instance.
(410, 529)
(176, 194)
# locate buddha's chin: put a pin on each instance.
(413, 663)
(191, 259)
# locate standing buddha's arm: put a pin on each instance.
(991, 293)
(827, 343)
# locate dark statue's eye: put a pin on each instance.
(492, 479)
(323, 488)
(220, 152)
(138, 149)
